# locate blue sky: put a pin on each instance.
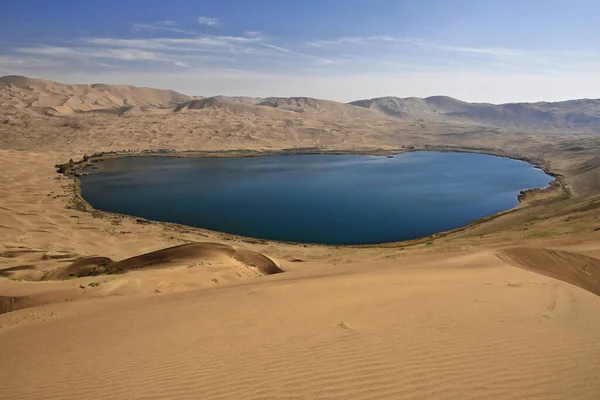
(478, 50)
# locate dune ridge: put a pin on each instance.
(171, 256)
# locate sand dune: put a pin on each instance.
(173, 256)
(18, 92)
(182, 256)
(437, 327)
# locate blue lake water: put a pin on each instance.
(331, 199)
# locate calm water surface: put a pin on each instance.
(332, 199)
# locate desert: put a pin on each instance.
(102, 305)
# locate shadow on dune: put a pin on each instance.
(12, 303)
(86, 266)
(191, 252)
(573, 268)
(7, 271)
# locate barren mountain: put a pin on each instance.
(313, 106)
(19, 93)
(575, 115)
(239, 99)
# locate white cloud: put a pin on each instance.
(254, 34)
(282, 49)
(345, 40)
(29, 62)
(490, 51)
(208, 21)
(326, 61)
(315, 59)
(208, 40)
(117, 54)
(133, 43)
(182, 46)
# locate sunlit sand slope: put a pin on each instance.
(467, 327)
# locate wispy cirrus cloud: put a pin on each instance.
(209, 21)
(119, 55)
(181, 51)
(256, 50)
(130, 43)
(278, 48)
(165, 26)
(254, 34)
(193, 43)
(80, 52)
(489, 51)
(386, 51)
(354, 40)
(27, 62)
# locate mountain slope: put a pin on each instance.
(577, 115)
(310, 105)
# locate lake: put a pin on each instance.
(329, 199)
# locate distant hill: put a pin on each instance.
(216, 101)
(234, 105)
(239, 99)
(311, 105)
(19, 92)
(573, 114)
(304, 105)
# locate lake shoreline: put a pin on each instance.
(76, 169)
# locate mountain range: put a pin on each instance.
(52, 98)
